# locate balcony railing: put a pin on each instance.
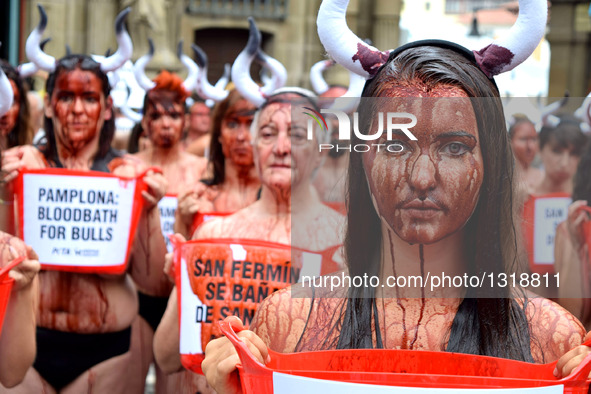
(261, 9)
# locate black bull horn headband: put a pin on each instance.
(48, 63)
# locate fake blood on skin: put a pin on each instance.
(398, 301)
(422, 311)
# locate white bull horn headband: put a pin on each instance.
(500, 56)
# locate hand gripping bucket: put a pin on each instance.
(6, 287)
(398, 371)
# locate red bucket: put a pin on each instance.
(400, 371)
(6, 287)
(216, 278)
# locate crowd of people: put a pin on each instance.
(456, 193)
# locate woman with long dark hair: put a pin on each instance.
(435, 205)
(15, 124)
(233, 183)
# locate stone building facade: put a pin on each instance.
(220, 27)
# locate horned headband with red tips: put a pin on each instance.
(48, 63)
(139, 69)
(502, 55)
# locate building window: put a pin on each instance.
(260, 9)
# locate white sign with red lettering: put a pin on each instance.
(78, 221)
(167, 207)
(548, 214)
(291, 384)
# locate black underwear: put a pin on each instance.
(152, 308)
(63, 356)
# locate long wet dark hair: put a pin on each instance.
(22, 133)
(217, 159)
(84, 63)
(482, 325)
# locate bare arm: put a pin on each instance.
(553, 330)
(13, 160)
(146, 262)
(17, 342)
(166, 338)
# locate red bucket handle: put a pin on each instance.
(250, 364)
(11, 265)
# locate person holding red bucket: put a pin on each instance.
(19, 290)
(84, 318)
(441, 205)
(289, 211)
(163, 122)
(573, 243)
(233, 184)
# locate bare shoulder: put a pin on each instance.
(281, 318)
(128, 165)
(217, 227)
(197, 162)
(10, 248)
(553, 329)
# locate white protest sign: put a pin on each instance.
(79, 222)
(548, 214)
(167, 207)
(291, 384)
(191, 308)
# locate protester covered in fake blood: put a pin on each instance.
(15, 125)
(163, 122)
(198, 137)
(288, 211)
(442, 204)
(560, 150)
(572, 257)
(17, 322)
(524, 141)
(234, 183)
(83, 320)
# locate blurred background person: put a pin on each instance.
(524, 142)
(234, 183)
(198, 125)
(560, 150)
(571, 251)
(15, 125)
